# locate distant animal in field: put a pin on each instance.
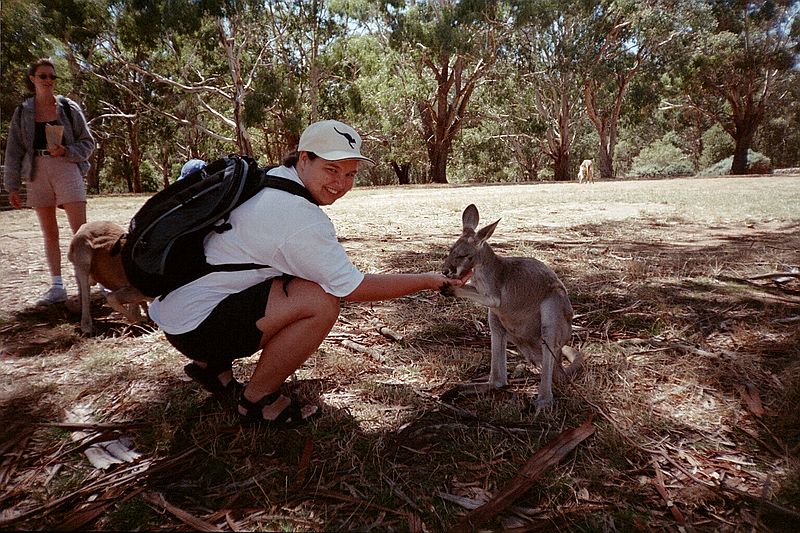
(528, 305)
(586, 172)
(94, 252)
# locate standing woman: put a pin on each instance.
(53, 173)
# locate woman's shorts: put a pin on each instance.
(230, 331)
(55, 182)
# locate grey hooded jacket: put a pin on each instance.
(78, 142)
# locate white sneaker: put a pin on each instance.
(54, 294)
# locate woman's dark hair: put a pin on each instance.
(292, 157)
(44, 62)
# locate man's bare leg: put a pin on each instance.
(294, 326)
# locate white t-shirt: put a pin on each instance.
(275, 228)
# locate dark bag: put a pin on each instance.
(163, 249)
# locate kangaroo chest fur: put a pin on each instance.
(515, 300)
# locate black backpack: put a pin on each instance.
(163, 249)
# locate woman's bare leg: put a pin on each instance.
(76, 215)
(52, 249)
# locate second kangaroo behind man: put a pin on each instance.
(528, 305)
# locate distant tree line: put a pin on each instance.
(443, 90)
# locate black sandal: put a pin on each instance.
(292, 415)
(208, 378)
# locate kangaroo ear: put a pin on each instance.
(470, 217)
(484, 234)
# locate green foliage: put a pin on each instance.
(23, 39)
(717, 145)
(151, 179)
(729, 70)
(757, 163)
(441, 27)
(661, 158)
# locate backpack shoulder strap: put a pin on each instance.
(67, 110)
(283, 184)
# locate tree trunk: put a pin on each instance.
(557, 137)
(437, 169)
(561, 167)
(165, 168)
(238, 89)
(443, 118)
(135, 155)
(739, 165)
(401, 171)
(606, 132)
(93, 178)
(745, 129)
(605, 164)
(437, 156)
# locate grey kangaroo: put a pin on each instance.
(528, 305)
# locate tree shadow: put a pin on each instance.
(38, 329)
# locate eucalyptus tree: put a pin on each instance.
(622, 37)
(309, 72)
(453, 45)
(205, 51)
(548, 46)
(248, 67)
(384, 96)
(732, 68)
(779, 137)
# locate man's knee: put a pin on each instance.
(318, 298)
(314, 300)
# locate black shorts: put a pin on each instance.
(230, 331)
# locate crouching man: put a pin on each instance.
(284, 311)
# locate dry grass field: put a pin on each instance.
(685, 417)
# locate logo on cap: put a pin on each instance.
(346, 136)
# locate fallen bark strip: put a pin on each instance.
(545, 458)
(777, 275)
(8, 460)
(386, 331)
(77, 519)
(92, 425)
(661, 488)
(155, 498)
(363, 503)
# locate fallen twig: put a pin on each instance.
(761, 500)
(387, 332)
(355, 346)
(546, 457)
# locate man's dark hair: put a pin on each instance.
(292, 157)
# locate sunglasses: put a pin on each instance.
(47, 76)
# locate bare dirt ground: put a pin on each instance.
(686, 305)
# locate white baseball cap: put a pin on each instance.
(332, 140)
